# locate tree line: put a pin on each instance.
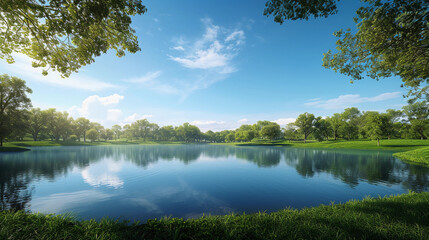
(19, 120)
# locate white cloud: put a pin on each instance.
(99, 109)
(147, 78)
(22, 68)
(178, 48)
(114, 114)
(244, 120)
(284, 121)
(134, 117)
(103, 174)
(350, 100)
(215, 49)
(198, 122)
(150, 80)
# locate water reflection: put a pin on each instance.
(101, 165)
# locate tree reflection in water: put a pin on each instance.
(19, 170)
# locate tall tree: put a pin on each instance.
(391, 39)
(117, 130)
(306, 123)
(36, 122)
(64, 35)
(335, 122)
(418, 116)
(350, 122)
(82, 126)
(13, 102)
(323, 129)
(271, 131)
(376, 125)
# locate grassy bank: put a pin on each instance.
(13, 149)
(420, 156)
(22, 145)
(400, 217)
(410, 150)
(391, 145)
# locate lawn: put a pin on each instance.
(396, 217)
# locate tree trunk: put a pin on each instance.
(378, 142)
(84, 137)
(1, 141)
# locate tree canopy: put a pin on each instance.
(65, 35)
(13, 103)
(392, 39)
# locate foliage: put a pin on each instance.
(13, 103)
(391, 39)
(65, 35)
(376, 125)
(306, 123)
(297, 9)
(92, 134)
(395, 217)
(271, 131)
(418, 116)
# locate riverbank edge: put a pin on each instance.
(419, 156)
(410, 150)
(404, 216)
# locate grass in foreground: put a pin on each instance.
(420, 156)
(397, 217)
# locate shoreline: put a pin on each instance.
(403, 216)
(409, 150)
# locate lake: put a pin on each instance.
(139, 182)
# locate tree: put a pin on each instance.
(323, 129)
(350, 122)
(335, 122)
(391, 39)
(394, 125)
(291, 132)
(82, 126)
(64, 35)
(117, 130)
(257, 127)
(188, 132)
(271, 131)
(418, 116)
(13, 103)
(166, 132)
(109, 134)
(230, 137)
(306, 123)
(58, 124)
(36, 122)
(92, 134)
(376, 125)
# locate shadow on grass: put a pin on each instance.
(13, 149)
(405, 145)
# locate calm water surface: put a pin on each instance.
(142, 182)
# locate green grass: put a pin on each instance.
(397, 217)
(20, 146)
(392, 145)
(420, 156)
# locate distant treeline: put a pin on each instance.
(411, 122)
(18, 120)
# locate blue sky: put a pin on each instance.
(215, 64)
